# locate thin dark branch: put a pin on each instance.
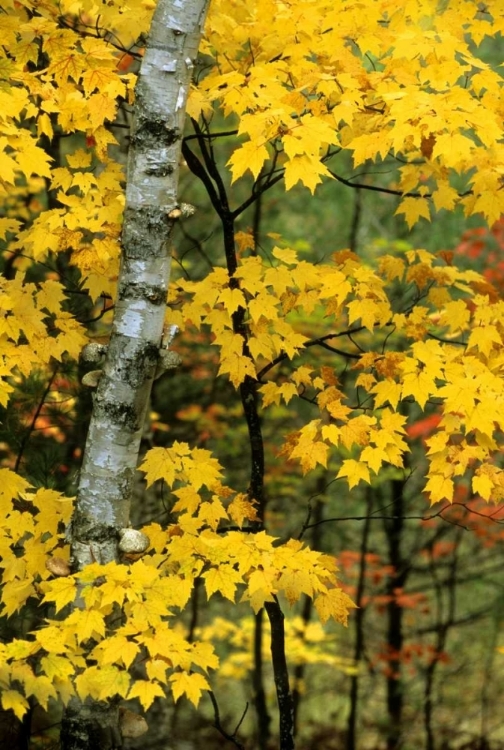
(31, 428)
(383, 518)
(447, 341)
(99, 32)
(431, 517)
(388, 191)
(255, 195)
(197, 245)
(194, 609)
(315, 342)
(335, 351)
(211, 167)
(356, 219)
(100, 315)
(375, 188)
(199, 170)
(463, 620)
(210, 136)
(220, 728)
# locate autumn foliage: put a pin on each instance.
(404, 345)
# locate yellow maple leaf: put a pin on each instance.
(419, 384)
(373, 457)
(11, 485)
(294, 583)
(53, 639)
(241, 508)
(41, 688)
(8, 225)
(413, 210)
(198, 102)
(305, 169)
(250, 272)
(445, 196)
(32, 159)
(142, 576)
(367, 146)
(368, 311)
(157, 535)
(12, 699)
(232, 299)
(86, 624)
(204, 656)
(188, 501)
(211, 513)
(64, 688)
(80, 159)
(288, 391)
(112, 681)
(190, 685)
(334, 603)
(491, 204)
(485, 337)
(440, 488)
(387, 391)
(223, 578)
(19, 649)
(14, 595)
(331, 433)
(8, 168)
(354, 471)
(61, 591)
(286, 255)
(263, 305)
(156, 670)
(454, 149)
(456, 315)
(201, 468)
(309, 450)
(148, 612)
(116, 649)
(100, 683)
(391, 267)
(162, 463)
(263, 579)
(483, 485)
(57, 666)
(251, 155)
(238, 366)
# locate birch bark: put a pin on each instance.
(122, 396)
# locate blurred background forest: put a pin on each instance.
(419, 664)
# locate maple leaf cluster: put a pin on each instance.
(444, 350)
(377, 78)
(149, 591)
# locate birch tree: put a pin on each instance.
(137, 348)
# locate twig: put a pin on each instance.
(220, 728)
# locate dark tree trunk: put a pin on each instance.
(395, 636)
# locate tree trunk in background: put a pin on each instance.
(395, 635)
(121, 400)
(360, 614)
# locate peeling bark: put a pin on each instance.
(121, 400)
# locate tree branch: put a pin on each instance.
(220, 728)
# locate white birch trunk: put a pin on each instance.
(122, 396)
